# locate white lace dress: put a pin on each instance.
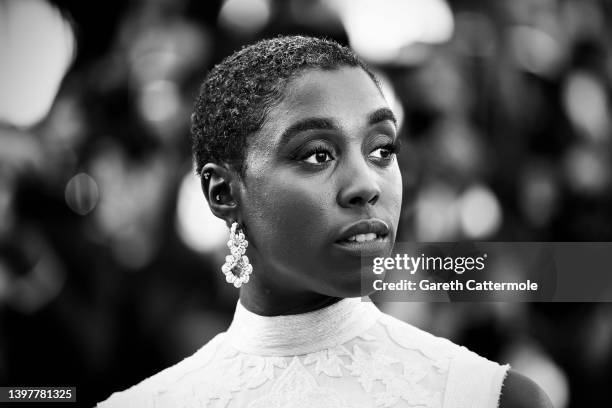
(349, 354)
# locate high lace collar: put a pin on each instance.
(301, 333)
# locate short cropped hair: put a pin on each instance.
(237, 94)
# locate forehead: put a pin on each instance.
(347, 95)
(344, 92)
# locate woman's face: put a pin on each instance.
(322, 184)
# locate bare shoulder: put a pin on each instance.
(521, 392)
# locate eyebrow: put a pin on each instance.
(381, 115)
(377, 116)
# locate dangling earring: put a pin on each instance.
(237, 268)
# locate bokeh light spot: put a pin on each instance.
(36, 47)
(196, 224)
(379, 30)
(535, 50)
(587, 170)
(586, 103)
(159, 101)
(244, 16)
(82, 194)
(436, 214)
(480, 212)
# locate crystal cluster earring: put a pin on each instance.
(237, 268)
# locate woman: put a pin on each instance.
(296, 148)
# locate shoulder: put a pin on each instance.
(471, 380)
(521, 392)
(410, 336)
(143, 393)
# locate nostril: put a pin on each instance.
(356, 201)
(359, 200)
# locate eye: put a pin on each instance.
(384, 152)
(318, 156)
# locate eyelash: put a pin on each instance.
(314, 150)
(393, 149)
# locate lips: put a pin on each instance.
(364, 231)
(364, 238)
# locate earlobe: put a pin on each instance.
(216, 184)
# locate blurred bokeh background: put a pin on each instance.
(109, 257)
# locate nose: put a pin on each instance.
(359, 186)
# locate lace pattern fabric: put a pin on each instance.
(376, 361)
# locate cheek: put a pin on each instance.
(288, 216)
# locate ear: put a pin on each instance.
(219, 184)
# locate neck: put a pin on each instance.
(264, 299)
(269, 303)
